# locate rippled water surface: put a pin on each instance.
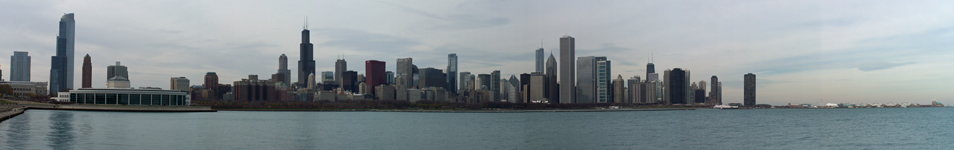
(886, 128)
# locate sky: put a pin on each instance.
(801, 51)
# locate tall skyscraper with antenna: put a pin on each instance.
(539, 59)
(650, 68)
(306, 62)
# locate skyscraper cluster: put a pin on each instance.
(560, 80)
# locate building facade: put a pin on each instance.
(306, 61)
(552, 89)
(87, 72)
(26, 88)
(749, 96)
(20, 66)
(495, 86)
(567, 71)
(116, 70)
(376, 74)
(586, 80)
(677, 86)
(404, 73)
(179, 84)
(431, 77)
(253, 89)
(283, 70)
(539, 60)
(129, 97)
(451, 83)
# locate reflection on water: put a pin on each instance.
(61, 126)
(19, 129)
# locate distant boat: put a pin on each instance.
(724, 107)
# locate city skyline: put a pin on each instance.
(823, 56)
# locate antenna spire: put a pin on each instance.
(306, 23)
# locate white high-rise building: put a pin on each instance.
(567, 70)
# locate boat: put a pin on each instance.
(724, 107)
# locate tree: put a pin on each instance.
(6, 89)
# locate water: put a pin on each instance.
(887, 128)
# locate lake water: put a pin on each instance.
(885, 128)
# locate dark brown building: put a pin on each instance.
(87, 72)
(211, 81)
(252, 89)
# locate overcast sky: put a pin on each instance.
(802, 51)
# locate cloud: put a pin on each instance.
(881, 66)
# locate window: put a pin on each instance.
(134, 99)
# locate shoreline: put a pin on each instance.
(462, 111)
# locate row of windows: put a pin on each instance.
(127, 99)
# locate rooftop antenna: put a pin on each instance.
(306, 23)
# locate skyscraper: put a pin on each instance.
(404, 76)
(714, 95)
(431, 77)
(593, 80)
(539, 60)
(376, 73)
(586, 80)
(567, 71)
(619, 90)
(116, 70)
(340, 67)
(551, 93)
(464, 78)
(87, 72)
(749, 89)
(211, 81)
(179, 84)
(61, 69)
(677, 86)
(514, 96)
(451, 84)
(389, 77)
(20, 66)
(283, 69)
(604, 78)
(483, 82)
(306, 62)
(495, 85)
(326, 77)
(650, 68)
